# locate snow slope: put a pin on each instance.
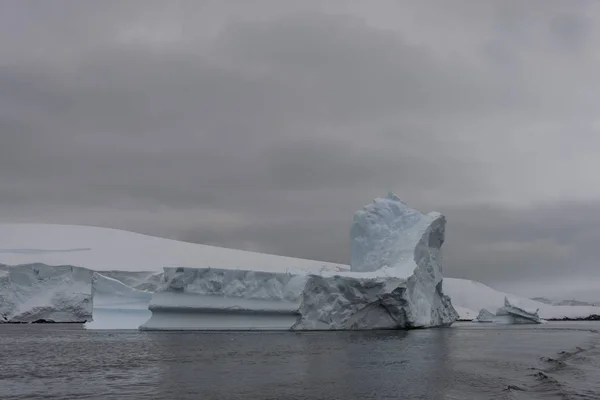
(469, 297)
(103, 249)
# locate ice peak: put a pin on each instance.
(387, 232)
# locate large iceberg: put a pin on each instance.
(395, 282)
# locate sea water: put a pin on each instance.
(465, 361)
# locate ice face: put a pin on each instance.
(389, 235)
(386, 233)
(224, 299)
(65, 293)
(117, 305)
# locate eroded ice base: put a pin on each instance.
(224, 299)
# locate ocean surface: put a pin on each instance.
(465, 361)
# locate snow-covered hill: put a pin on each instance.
(103, 249)
(469, 297)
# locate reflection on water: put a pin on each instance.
(466, 361)
(315, 365)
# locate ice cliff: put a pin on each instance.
(66, 293)
(38, 292)
(395, 282)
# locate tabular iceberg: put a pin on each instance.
(395, 282)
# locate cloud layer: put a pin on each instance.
(265, 125)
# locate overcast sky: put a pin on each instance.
(264, 125)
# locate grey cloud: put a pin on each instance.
(267, 127)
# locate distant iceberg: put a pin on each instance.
(512, 314)
(485, 316)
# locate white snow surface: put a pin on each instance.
(117, 305)
(394, 282)
(103, 249)
(469, 296)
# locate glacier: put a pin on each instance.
(106, 249)
(394, 282)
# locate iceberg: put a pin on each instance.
(394, 282)
(68, 255)
(485, 316)
(511, 314)
(116, 305)
(468, 296)
(52, 267)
